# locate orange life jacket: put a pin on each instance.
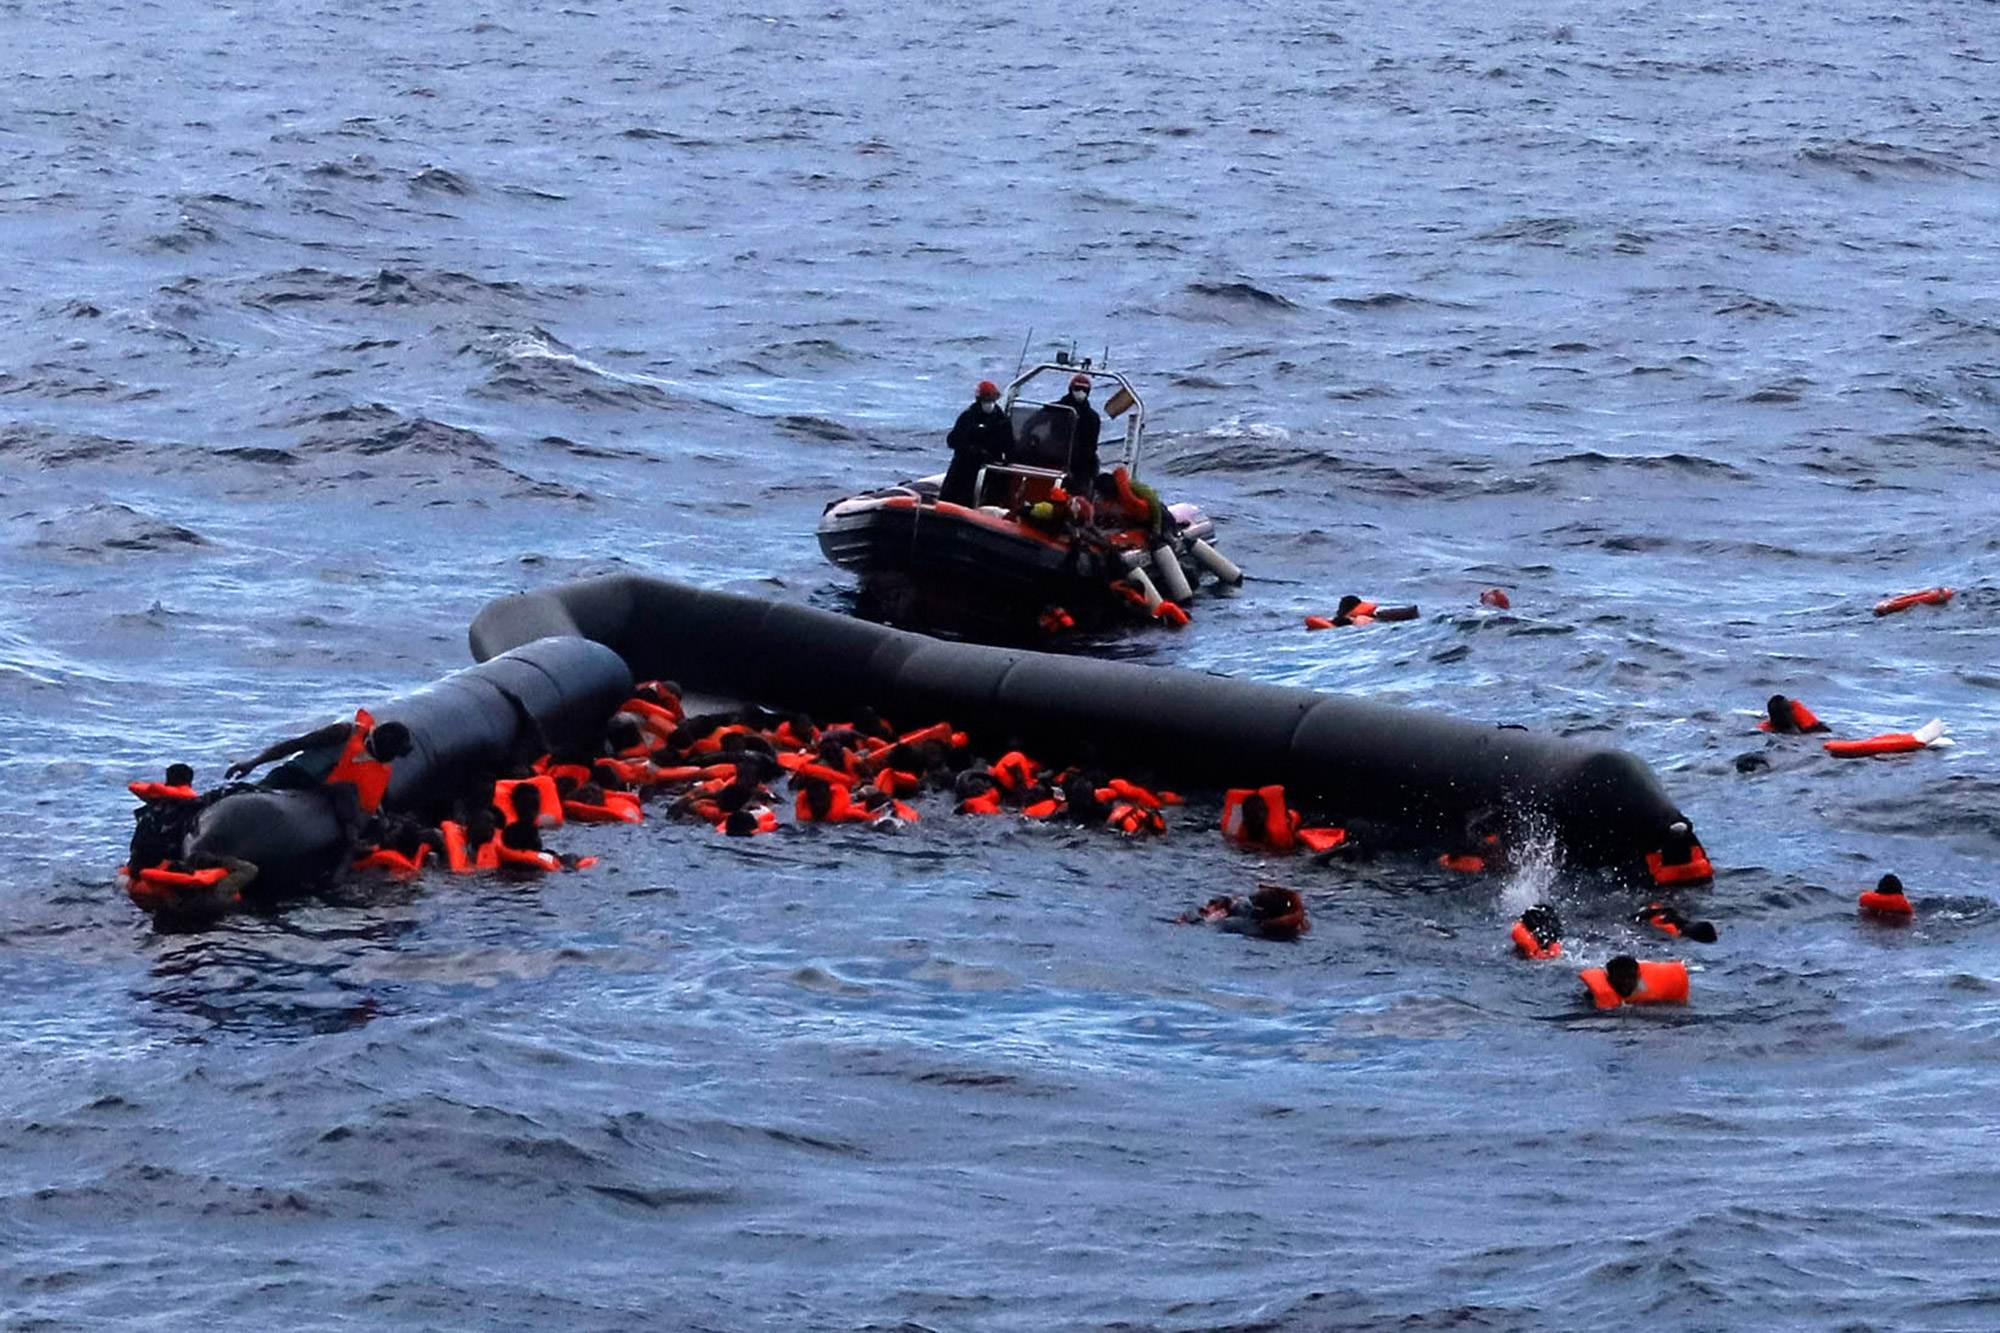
(1691, 871)
(1929, 596)
(633, 772)
(1659, 983)
(1047, 808)
(618, 807)
(551, 813)
(458, 857)
(160, 791)
(1891, 742)
(986, 803)
(1528, 946)
(1131, 819)
(1886, 904)
(1279, 827)
(712, 743)
(1134, 504)
(840, 807)
(1802, 718)
(525, 858)
(660, 721)
(1466, 863)
(368, 775)
(398, 865)
(1318, 622)
(155, 888)
(1013, 771)
(1173, 613)
(161, 877)
(767, 822)
(1134, 793)
(936, 731)
(1322, 839)
(835, 776)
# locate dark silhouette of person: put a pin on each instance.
(1083, 439)
(980, 436)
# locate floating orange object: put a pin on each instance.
(1891, 742)
(1903, 602)
(1495, 597)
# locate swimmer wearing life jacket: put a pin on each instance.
(1680, 859)
(357, 755)
(1627, 980)
(1273, 912)
(1788, 717)
(1353, 610)
(177, 789)
(1497, 599)
(165, 818)
(192, 891)
(1259, 818)
(1668, 921)
(1887, 902)
(1538, 934)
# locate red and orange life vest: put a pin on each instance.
(1279, 829)
(1928, 597)
(368, 775)
(1659, 983)
(160, 791)
(1528, 946)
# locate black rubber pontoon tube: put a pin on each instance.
(1406, 767)
(471, 726)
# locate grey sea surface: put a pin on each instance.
(323, 325)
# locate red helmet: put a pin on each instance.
(1079, 381)
(986, 389)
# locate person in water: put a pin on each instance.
(351, 760)
(980, 436)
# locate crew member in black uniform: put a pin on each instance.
(1083, 441)
(980, 436)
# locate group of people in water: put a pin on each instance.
(735, 771)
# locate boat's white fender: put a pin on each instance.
(1138, 579)
(1173, 579)
(1216, 563)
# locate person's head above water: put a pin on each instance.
(389, 741)
(1623, 974)
(180, 775)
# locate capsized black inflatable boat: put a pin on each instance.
(465, 729)
(1404, 767)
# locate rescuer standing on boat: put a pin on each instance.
(980, 436)
(1083, 440)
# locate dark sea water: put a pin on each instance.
(321, 326)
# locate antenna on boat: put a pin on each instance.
(1024, 351)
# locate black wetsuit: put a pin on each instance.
(1083, 446)
(977, 438)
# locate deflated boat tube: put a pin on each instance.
(465, 729)
(1405, 767)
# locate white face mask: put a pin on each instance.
(1081, 395)
(990, 404)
